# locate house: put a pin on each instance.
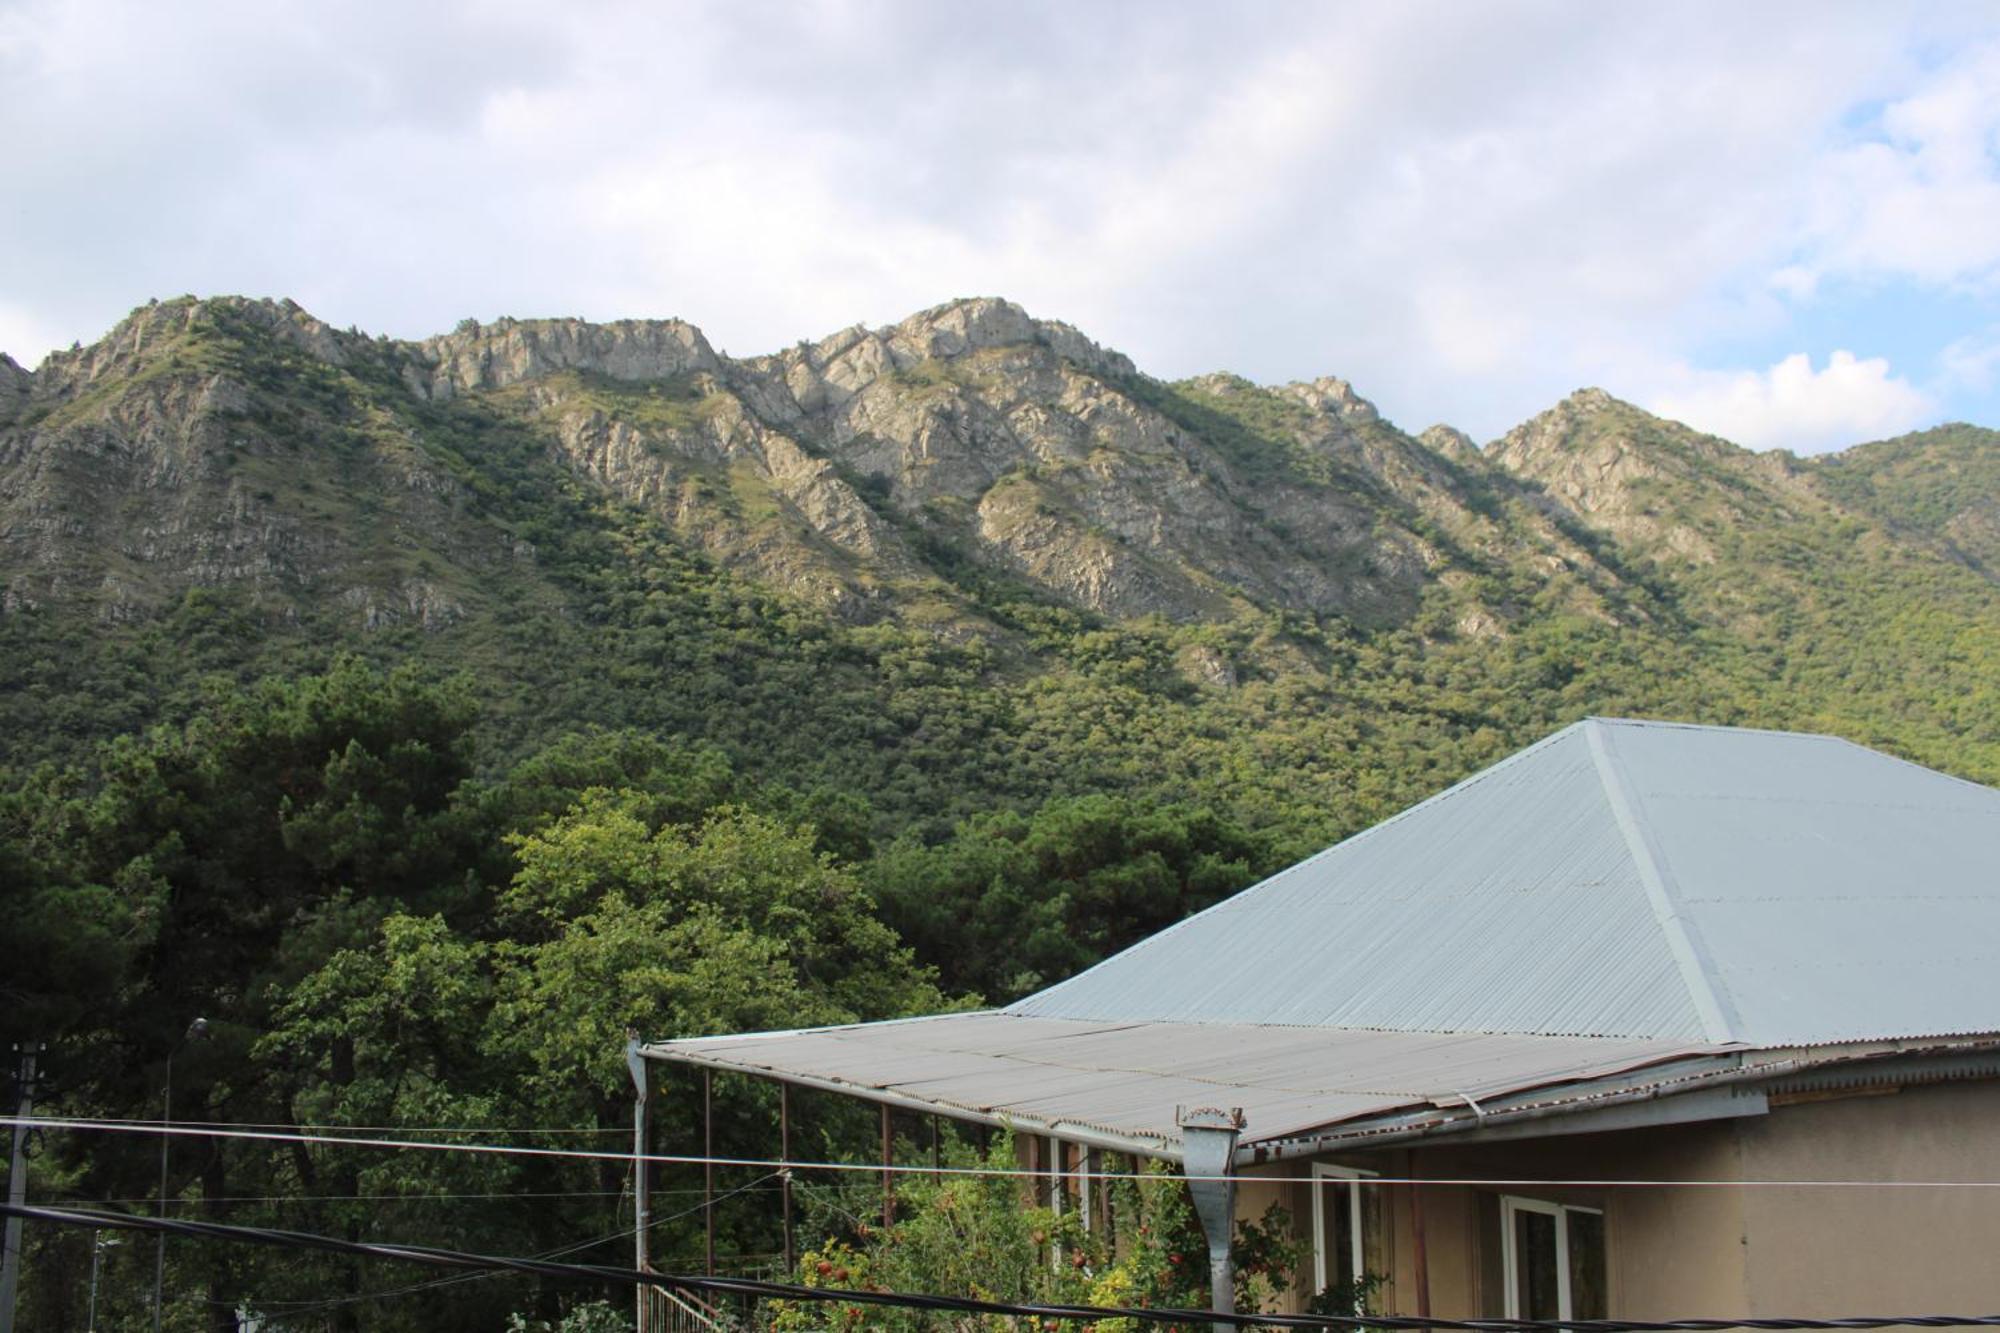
(1670, 1021)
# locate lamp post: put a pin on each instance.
(97, 1249)
(195, 1032)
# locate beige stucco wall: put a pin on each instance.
(1670, 1252)
(1700, 1251)
(1826, 1252)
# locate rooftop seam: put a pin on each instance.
(1718, 1017)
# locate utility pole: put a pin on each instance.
(97, 1249)
(17, 1182)
(196, 1031)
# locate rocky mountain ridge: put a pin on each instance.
(906, 471)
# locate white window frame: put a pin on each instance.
(1512, 1205)
(1324, 1171)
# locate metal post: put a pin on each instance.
(785, 1170)
(708, 1164)
(17, 1186)
(1421, 1258)
(160, 1241)
(196, 1030)
(1208, 1158)
(937, 1152)
(888, 1177)
(642, 1185)
(96, 1253)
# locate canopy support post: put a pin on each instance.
(642, 1185)
(708, 1166)
(785, 1171)
(888, 1176)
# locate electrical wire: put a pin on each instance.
(383, 1198)
(879, 1168)
(359, 1129)
(625, 1233)
(762, 1290)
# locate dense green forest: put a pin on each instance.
(425, 716)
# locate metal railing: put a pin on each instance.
(663, 1311)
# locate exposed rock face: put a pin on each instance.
(1611, 464)
(1334, 397)
(15, 386)
(510, 351)
(1453, 443)
(134, 469)
(245, 442)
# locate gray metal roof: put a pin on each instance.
(1618, 879)
(1118, 1084)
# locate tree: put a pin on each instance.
(1012, 903)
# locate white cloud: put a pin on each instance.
(1465, 210)
(1793, 406)
(23, 336)
(1972, 362)
(1918, 196)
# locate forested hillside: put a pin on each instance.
(424, 715)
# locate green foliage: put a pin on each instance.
(1011, 903)
(977, 1236)
(589, 1317)
(1357, 1295)
(428, 874)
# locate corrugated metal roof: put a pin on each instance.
(1618, 896)
(1126, 1079)
(1643, 880)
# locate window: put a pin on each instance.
(1348, 1230)
(1553, 1258)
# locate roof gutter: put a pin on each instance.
(1437, 1123)
(1726, 1070)
(1140, 1145)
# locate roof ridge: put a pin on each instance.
(1718, 726)
(1718, 1017)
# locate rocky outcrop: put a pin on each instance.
(837, 469)
(1333, 397)
(1449, 441)
(134, 470)
(512, 351)
(15, 386)
(1611, 464)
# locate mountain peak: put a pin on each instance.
(1590, 398)
(508, 351)
(1333, 396)
(1450, 441)
(15, 385)
(974, 323)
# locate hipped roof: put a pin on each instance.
(1618, 895)
(1629, 879)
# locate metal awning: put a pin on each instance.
(1117, 1085)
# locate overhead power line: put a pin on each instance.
(297, 1308)
(925, 1169)
(786, 1291)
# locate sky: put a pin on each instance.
(1777, 222)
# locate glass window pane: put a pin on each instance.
(1374, 1230)
(1586, 1265)
(1336, 1197)
(1535, 1280)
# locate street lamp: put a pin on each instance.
(196, 1031)
(97, 1249)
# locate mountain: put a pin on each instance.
(859, 472)
(970, 558)
(1941, 484)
